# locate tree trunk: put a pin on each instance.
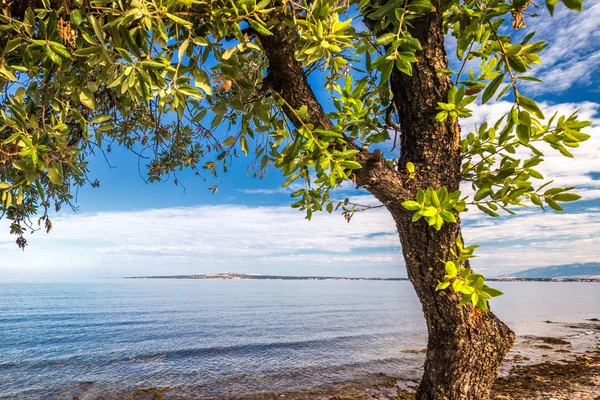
(466, 346)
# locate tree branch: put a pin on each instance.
(286, 76)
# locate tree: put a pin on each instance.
(197, 83)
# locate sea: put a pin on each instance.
(227, 338)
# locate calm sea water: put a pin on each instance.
(223, 338)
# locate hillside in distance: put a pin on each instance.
(591, 269)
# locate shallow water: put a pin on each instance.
(227, 337)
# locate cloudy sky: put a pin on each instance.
(126, 227)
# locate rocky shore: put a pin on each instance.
(564, 367)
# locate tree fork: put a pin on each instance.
(286, 76)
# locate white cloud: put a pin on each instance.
(513, 258)
(268, 191)
(215, 238)
(573, 53)
(564, 171)
(535, 227)
(196, 238)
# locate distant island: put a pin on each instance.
(584, 271)
(236, 276)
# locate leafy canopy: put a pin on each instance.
(182, 83)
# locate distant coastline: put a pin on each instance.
(236, 276)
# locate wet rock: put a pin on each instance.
(551, 340)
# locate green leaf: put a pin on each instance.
(87, 51)
(117, 82)
(7, 72)
(435, 201)
(56, 59)
(76, 17)
(202, 80)
(491, 291)
(565, 197)
(530, 78)
(491, 88)
(482, 303)
(55, 174)
(448, 216)
(450, 268)
(553, 191)
(59, 49)
(12, 44)
(350, 164)
(474, 298)
(482, 193)
(87, 98)
(536, 200)
(244, 144)
(179, 20)
(530, 106)
(430, 212)
(100, 119)
(97, 28)
(23, 165)
(229, 141)
(487, 211)
(290, 179)
(550, 4)
(411, 205)
(417, 216)
(40, 189)
(386, 38)
(576, 5)
(260, 28)
(564, 151)
(523, 133)
(228, 53)
(439, 221)
(554, 204)
(441, 116)
(150, 64)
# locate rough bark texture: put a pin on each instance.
(466, 346)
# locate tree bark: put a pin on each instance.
(466, 346)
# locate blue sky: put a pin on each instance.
(127, 227)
